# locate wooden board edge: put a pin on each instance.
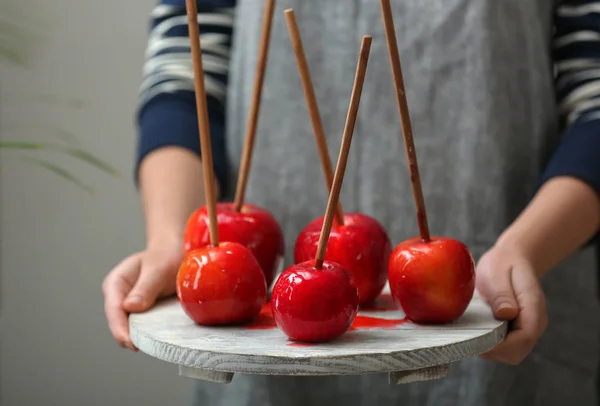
(314, 366)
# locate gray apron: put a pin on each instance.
(479, 83)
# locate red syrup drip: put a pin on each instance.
(265, 321)
(384, 302)
(363, 322)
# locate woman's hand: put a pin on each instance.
(171, 191)
(135, 284)
(509, 284)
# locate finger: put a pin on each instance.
(529, 325)
(147, 288)
(530, 295)
(513, 350)
(117, 319)
(495, 285)
(116, 287)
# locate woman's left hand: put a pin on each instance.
(509, 284)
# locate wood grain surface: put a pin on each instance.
(166, 333)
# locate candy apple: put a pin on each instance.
(221, 285)
(253, 227)
(434, 280)
(361, 245)
(314, 305)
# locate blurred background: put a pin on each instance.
(69, 73)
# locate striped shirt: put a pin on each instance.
(167, 115)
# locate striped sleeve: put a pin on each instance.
(167, 107)
(576, 50)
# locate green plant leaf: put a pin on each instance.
(16, 43)
(93, 160)
(60, 134)
(61, 172)
(17, 36)
(20, 144)
(12, 55)
(77, 153)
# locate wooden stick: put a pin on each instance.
(207, 162)
(313, 107)
(263, 52)
(334, 195)
(409, 144)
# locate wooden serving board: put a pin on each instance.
(381, 341)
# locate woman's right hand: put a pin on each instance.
(135, 284)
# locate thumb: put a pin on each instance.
(495, 285)
(146, 289)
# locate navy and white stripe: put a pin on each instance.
(576, 52)
(577, 58)
(168, 66)
(166, 97)
(167, 105)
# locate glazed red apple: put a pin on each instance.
(314, 305)
(433, 281)
(361, 246)
(253, 227)
(221, 285)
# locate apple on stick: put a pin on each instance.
(219, 283)
(247, 224)
(317, 300)
(432, 278)
(357, 242)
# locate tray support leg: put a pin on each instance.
(418, 375)
(205, 374)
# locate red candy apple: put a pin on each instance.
(361, 246)
(314, 305)
(221, 285)
(433, 281)
(317, 300)
(253, 227)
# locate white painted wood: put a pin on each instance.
(166, 333)
(418, 375)
(205, 374)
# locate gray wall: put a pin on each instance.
(58, 242)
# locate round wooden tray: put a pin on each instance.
(380, 341)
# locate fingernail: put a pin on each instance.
(506, 311)
(135, 300)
